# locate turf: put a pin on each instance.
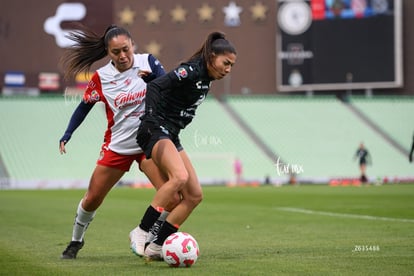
(289, 230)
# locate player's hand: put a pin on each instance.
(143, 73)
(62, 148)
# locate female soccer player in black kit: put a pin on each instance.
(170, 105)
(364, 158)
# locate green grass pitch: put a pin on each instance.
(289, 230)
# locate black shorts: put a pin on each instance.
(151, 131)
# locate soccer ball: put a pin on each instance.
(180, 249)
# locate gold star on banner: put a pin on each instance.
(154, 48)
(205, 13)
(178, 14)
(153, 15)
(126, 16)
(258, 11)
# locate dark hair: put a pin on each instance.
(88, 48)
(216, 43)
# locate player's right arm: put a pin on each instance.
(77, 118)
(90, 97)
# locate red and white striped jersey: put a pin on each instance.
(123, 95)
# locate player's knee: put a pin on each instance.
(179, 179)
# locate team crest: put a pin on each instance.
(93, 97)
(127, 81)
(181, 73)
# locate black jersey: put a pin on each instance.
(174, 97)
(363, 156)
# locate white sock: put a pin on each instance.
(81, 223)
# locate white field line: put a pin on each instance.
(310, 212)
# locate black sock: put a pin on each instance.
(165, 230)
(149, 218)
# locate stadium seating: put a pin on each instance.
(30, 130)
(213, 141)
(317, 136)
(321, 135)
(391, 114)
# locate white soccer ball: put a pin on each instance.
(180, 249)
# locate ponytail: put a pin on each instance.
(87, 49)
(216, 43)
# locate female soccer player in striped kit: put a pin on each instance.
(121, 86)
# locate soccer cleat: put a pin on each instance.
(72, 250)
(153, 232)
(153, 252)
(137, 238)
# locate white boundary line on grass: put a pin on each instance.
(310, 212)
